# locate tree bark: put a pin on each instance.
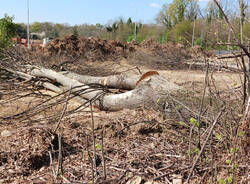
(122, 81)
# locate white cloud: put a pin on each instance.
(154, 5)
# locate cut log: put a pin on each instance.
(149, 91)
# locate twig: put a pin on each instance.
(92, 167)
(203, 146)
(178, 112)
(189, 141)
(103, 157)
(93, 137)
(60, 159)
(247, 110)
(17, 97)
(204, 175)
(244, 81)
(40, 107)
(52, 165)
(137, 68)
(163, 175)
(117, 169)
(165, 168)
(123, 174)
(63, 113)
(65, 179)
(69, 62)
(202, 101)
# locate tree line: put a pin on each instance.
(182, 21)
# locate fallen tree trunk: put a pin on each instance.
(122, 81)
(149, 92)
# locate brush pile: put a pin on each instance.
(91, 48)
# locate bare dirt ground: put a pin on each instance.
(140, 145)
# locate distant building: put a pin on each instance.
(37, 36)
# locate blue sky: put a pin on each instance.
(82, 11)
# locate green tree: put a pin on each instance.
(7, 31)
(129, 21)
(36, 27)
(49, 29)
(164, 17)
(212, 12)
(178, 11)
(182, 32)
(123, 31)
(192, 10)
(152, 31)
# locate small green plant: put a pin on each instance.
(229, 179)
(234, 84)
(240, 133)
(198, 41)
(221, 181)
(130, 38)
(193, 122)
(180, 123)
(196, 150)
(219, 137)
(193, 151)
(236, 166)
(178, 107)
(232, 150)
(207, 160)
(98, 146)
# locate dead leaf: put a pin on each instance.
(135, 180)
(151, 182)
(5, 133)
(177, 179)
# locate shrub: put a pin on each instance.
(182, 32)
(7, 31)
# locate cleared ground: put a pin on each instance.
(139, 145)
